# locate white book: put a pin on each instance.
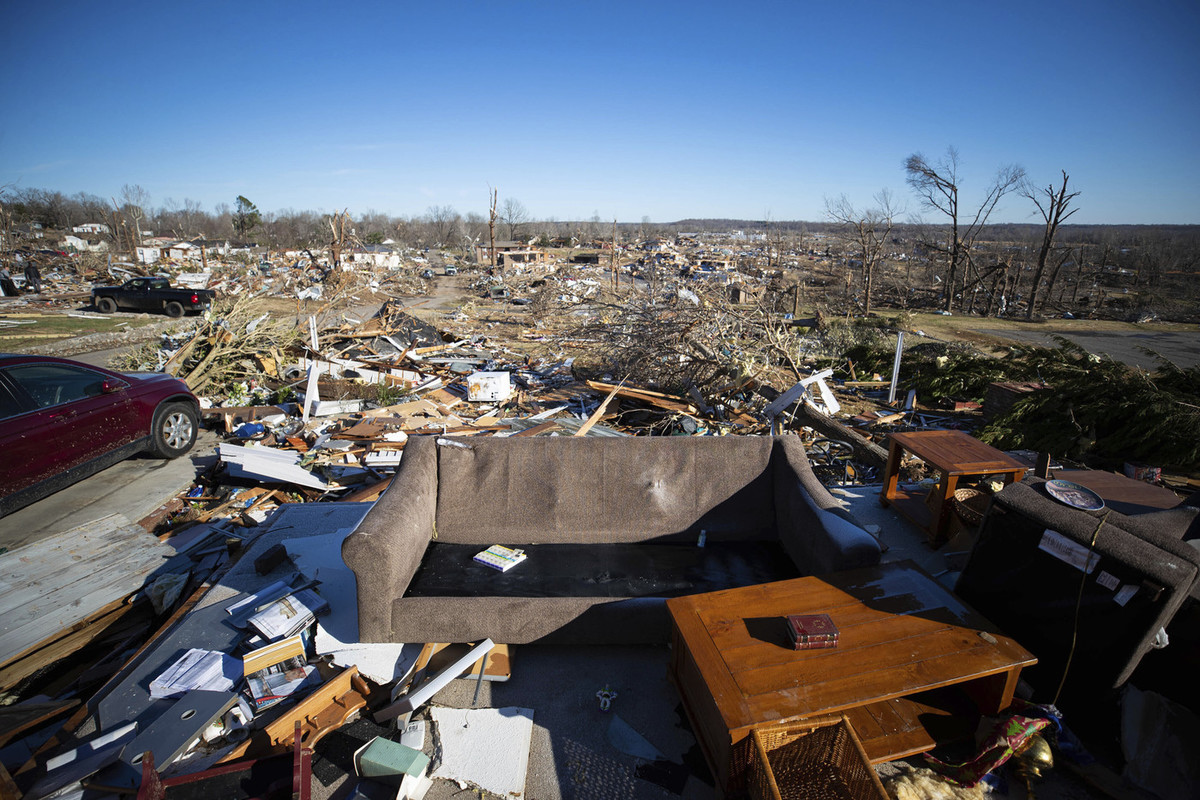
(500, 557)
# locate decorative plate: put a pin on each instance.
(1074, 495)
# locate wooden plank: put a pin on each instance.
(53, 585)
(112, 578)
(537, 430)
(658, 399)
(22, 717)
(31, 577)
(8, 787)
(48, 559)
(901, 733)
(84, 712)
(366, 493)
(599, 412)
(60, 645)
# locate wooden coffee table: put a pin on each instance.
(902, 639)
(953, 455)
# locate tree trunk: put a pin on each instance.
(868, 281)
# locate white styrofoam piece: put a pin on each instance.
(413, 735)
(320, 558)
(485, 747)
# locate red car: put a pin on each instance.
(61, 421)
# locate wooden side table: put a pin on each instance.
(1122, 494)
(953, 454)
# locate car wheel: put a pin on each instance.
(106, 305)
(173, 431)
(174, 309)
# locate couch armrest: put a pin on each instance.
(387, 546)
(820, 535)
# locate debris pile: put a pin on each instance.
(316, 408)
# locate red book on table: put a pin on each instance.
(811, 628)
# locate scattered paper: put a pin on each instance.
(288, 615)
(209, 670)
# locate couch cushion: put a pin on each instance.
(599, 489)
(606, 570)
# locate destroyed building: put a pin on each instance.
(698, 581)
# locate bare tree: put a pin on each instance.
(1052, 205)
(338, 225)
(936, 184)
(91, 207)
(443, 224)
(181, 220)
(514, 215)
(872, 228)
(127, 217)
(134, 200)
(492, 228)
(6, 218)
(474, 227)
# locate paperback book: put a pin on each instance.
(500, 557)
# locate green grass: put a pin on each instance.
(39, 329)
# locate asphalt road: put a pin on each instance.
(1181, 348)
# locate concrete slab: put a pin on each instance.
(133, 488)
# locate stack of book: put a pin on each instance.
(811, 631)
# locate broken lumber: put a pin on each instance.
(326, 708)
(865, 450)
(599, 412)
(666, 402)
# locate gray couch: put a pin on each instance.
(579, 505)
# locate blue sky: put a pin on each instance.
(626, 110)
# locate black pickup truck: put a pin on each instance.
(151, 294)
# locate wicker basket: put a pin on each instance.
(970, 505)
(815, 760)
